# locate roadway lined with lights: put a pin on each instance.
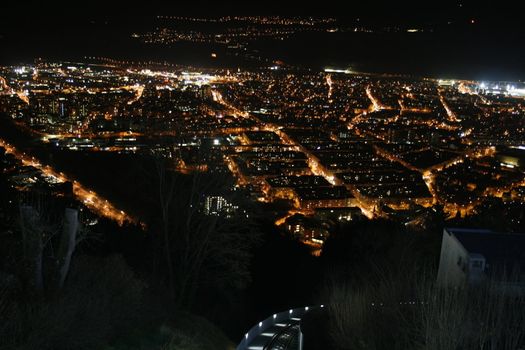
(367, 206)
(89, 198)
(21, 95)
(314, 163)
(395, 102)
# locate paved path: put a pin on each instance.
(277, 336)
(281, 331)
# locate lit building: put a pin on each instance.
(324, 197)
(218, 206)
(306, 229)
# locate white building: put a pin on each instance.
(470, 256)
(218, 206)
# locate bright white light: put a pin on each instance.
(332, 70)
(20, 70)
(518, 92)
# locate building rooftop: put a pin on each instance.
(323, 193)
(504, 249)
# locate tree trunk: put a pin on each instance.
(33, 246)
(67, 244)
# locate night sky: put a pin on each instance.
(488, 12)
(483, 39)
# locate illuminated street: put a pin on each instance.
(366, 146)
(89, 198)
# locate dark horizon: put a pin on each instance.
(462, 43)
(491, 15)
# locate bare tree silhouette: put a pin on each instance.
(201, 251)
